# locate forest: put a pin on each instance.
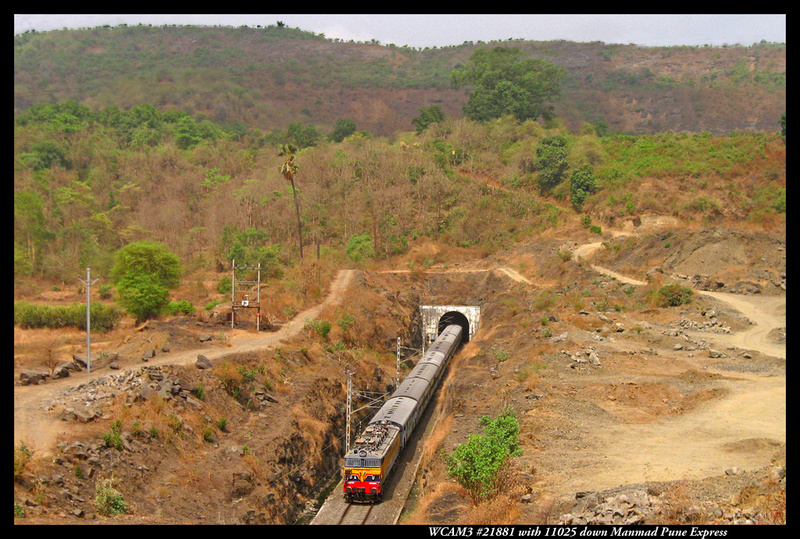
(91, 178)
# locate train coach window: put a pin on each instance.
(373, 463)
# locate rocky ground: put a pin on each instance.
(629, 412)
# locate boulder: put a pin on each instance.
(203, 362)
(79, 361)
(62, 371)
(33, 376)
(78, 412)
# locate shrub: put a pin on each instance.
(105, 291)
(359, 248)
(551, 164)
(22, 456)
(108, 500)
(673, 295)
(179, 307)
(582, 183)
(321, 327)
(30, 315)
(476, 464)
(114, 438)
(224, 285)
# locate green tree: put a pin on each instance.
(187, 133)
(29, 228)
(143, 274)
(302, 136)
(342, 129)
(359, 247)
(427, 116)
(43, 155)
(582, 183)
(505, 82)
(551, 161)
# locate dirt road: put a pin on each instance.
(766, 312)
(40, 430)
(742, 430)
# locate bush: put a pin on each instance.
(321, 327)
(114, 438)
(476, 465)
(673, 295)
(224, 285)
(22, 456)
(108, 500)
(179, 307)
(582, 183)
(30, 315)
(359, 248)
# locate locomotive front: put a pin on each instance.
(370, 462)
(362, 477)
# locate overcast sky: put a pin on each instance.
(442, 30)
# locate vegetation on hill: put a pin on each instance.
(95, 173)
(269, 77)
(87, 184)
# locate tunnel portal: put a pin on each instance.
(437, 317)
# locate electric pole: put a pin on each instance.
(88, 282)
(349, 409)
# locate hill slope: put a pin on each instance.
(270, 77)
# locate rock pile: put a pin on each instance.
(713, 325)
(83, 401)
(661, 503)
(586, 355)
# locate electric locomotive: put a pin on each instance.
(375, 450)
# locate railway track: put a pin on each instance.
(355, 515)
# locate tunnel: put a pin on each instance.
(454, 317)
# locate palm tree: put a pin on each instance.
(288, 169)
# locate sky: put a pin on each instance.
(440, 30)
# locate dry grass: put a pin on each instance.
(774, 511)
(314, 432)
(434, 441)
(500, 510)
(427, 504)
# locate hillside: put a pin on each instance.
(630, 412)
(628, 259)
(270, 77)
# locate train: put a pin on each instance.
(371, 460)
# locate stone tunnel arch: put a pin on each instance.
(454, 317)
(436, 317)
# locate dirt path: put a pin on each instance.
(40, 430)
(741, 430)
(766, 313)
